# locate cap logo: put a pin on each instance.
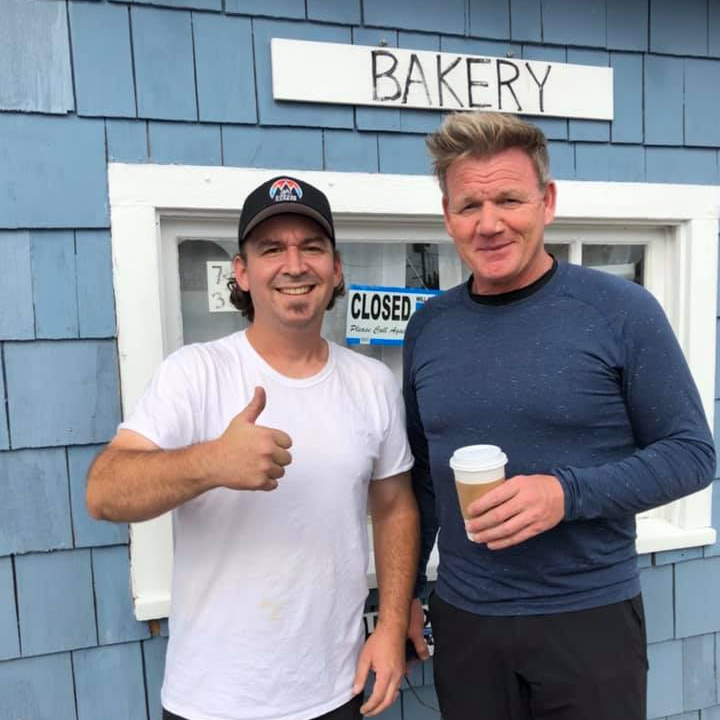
(285, 190)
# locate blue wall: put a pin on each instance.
(188, 81)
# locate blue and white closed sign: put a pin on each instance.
(379, 315)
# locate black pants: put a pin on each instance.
(584, 665)
(348, 711)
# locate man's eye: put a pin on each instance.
(271, 251)
(314, 249)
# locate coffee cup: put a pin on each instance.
(478, 469)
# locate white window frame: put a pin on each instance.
(388, 208)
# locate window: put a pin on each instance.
(174, 227)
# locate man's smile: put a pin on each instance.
(297, 290)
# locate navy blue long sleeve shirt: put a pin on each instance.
(582, 379)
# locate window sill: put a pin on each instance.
(658, 535)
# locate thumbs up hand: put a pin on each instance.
(249, 456)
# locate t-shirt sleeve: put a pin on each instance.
(167, 411)
(394, 456)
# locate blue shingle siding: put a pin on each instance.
(346, 150)
(347, 12)
(679, 28)
(38, 687)
(526, 20)
(115, 619)
(154, 663)
(17, 317)
(414, 15)
(184, 143)
(297, 148)
(126, 141)
(190, 82)
(83, 408)
(109, 683)
(102, 59)
(35, 510)
(55, 602)
(489, 18)
(566, 22)
(185, 4)
(52, 258)
(627, 24)
(663, 100)
(681, 165)
(164, 68)
(54, 173)
(93, 264)
(224, 68)
(699, 680)
(627, 123)
(276, 8)
(665, 679)
(702, 102)
(697, 612)
(35, 57)
(9, 639)
(657, 589)
(88, 532)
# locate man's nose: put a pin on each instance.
(489, 221)
(294, 261)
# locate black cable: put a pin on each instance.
(417, 697)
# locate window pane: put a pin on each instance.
(199, 324)
(627, 261)
(422, 269)
(560, 252)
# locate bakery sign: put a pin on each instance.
(379, 315)
(320, 72)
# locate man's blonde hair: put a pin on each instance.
(482, 135)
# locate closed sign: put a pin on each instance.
(379, 315)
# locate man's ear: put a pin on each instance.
(549, 201)
(240, 272)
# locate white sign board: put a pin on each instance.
(218, 273)
(362, 75)
(379, 315)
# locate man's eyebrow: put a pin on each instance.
(266, 241)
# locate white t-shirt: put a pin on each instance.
(269, 587)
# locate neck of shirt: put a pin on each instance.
(514, 295)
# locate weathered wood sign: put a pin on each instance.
(362, 75)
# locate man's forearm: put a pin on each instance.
(395, 536)
(127, 485)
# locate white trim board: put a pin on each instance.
(387, 208)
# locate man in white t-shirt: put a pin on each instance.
(269, 587)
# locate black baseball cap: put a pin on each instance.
(285, 194)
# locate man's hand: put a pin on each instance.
(519, 508)
(415, 629)
(383, 653)
(249, 456)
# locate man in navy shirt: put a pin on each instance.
(576, 374)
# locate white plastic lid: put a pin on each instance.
(478, 457)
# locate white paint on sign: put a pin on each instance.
(362, 75)
(379, 315)
(218, 273)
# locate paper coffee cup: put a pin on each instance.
(478, 469)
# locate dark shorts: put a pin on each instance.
(584, 665)
(348, 711)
